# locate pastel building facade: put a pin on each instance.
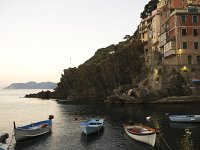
(173, 30)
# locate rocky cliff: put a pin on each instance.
(116, 74)
(109, 68)
(173, 84)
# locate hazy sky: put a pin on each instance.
(38, 37)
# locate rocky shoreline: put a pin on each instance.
(168, 100)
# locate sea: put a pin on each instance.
(66, 133)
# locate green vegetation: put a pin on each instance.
(151, 6)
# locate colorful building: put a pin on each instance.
(180, 29)
(149, 30)
(172, 33)
(173, 29)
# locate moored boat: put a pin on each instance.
(184, 118)
(91, 126)
(3, 146)
(32, 130)
(141, 133)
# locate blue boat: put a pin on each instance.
(3, 146)
(32, 130)
(91, 126)
(185, 118)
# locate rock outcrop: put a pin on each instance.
(173, 85)
(118, 74)
(109, 68)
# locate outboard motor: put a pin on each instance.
(51, 117)
(4, 137)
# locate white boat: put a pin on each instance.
(32, 130)
(185, 118)
(92, 126)
(3, 146)
(141, 133)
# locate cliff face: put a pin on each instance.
(108, 69)
(118, 73)
(173, 84)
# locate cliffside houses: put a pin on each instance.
(172, 33)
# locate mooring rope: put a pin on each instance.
(166, 143)
(149, 118)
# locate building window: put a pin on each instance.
(189, 59)
(198, 60)
(195, 32)
(183, 19)
(193, 9)
(195, 19)
(196, 45)
(184, 32)
(184, 45)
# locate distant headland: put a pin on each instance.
(32, 85)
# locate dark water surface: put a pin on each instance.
(66, 133)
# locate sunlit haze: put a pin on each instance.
(38, 37)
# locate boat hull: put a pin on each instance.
(148, 139)
(33, 130)
(91, 129)
(23, 135)
(141, 133)
(3, 146)
(92, 126)
(185, 118)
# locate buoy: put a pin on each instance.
(166, 114)
(148, 118)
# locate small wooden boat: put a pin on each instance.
(141, 133)
(185, 118)
(32, 130)
(92, 126)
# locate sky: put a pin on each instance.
(41, 38)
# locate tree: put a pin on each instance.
(148, 8)
(127, 37)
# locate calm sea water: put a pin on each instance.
(66, 133)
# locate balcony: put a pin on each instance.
(170, 49)
(191, 10)
(162, 39)
(169, 53)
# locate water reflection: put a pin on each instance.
(186, 142)
(183, 125)
(116, 115)
(88, 140)
(66, 132)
